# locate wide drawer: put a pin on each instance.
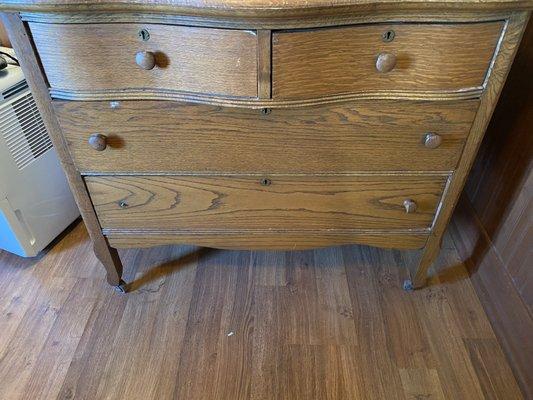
(293, 203)
(152, 136)
(99, 57)
(422, 58)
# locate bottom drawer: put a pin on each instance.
(276, 203)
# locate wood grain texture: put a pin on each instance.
(188, 59)
(362, 136)
(264, 68)
(260, 8)
(342, 60)
(502, 303)
(264, 240)
(502, 63)
(206, 324)
(296, 19)
(30, 65)
(254, 103)
(350, 200)
(287, 203)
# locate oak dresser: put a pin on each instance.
(266, 124)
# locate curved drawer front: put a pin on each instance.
(159, 136)
(413, 58)
(266, 203)
(99, 57)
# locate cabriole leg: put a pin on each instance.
(110, 259)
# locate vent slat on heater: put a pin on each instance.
(15, 89)
(22, 127)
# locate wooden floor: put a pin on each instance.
(210, 324)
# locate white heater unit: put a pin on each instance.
(36, 204)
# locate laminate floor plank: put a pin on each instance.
(202, 324)
(380, 376)
(487, 357)
(444, 334)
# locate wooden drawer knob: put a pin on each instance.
(145, 59)
(385, 62)
(410, 206)
(432, 140)
(98, 141)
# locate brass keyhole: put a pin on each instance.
(144, 35)
(266, 111)
(388, 36)
(265, 182)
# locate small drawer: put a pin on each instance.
(266, 203)
(159, 136)
(100, 57)
(382, 57)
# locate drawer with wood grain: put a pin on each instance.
(100, 57)
(159, 136)
(387, 58)
(276, 202)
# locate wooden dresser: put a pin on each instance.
(264, 124)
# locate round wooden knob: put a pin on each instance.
(145, 59)
(432, 140)
(98, 141)
(410, 206)
(385, 62)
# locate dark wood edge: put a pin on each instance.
(279, 10)
(265, 240)
(261, 174)
(144, 94)
(31, 66)
(315, 232)
(508, 315)
(506, 52)
(264, 62)
(285, 21)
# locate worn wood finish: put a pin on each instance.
(199, 138)
(263, 8)
(311, 18)
(428, 57)
(208, 324)
(30, 66)
(264, 240)
(254, 103)
(463, 57)
(511, 40)
(189, 59)
(291, 203)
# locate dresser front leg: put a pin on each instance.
(110, 259)
(419, 274)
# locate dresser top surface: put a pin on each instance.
(259, 7)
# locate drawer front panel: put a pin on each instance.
(96, 57)
(152, 136)
(285, 203)
(428, 57)
(263, 240)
